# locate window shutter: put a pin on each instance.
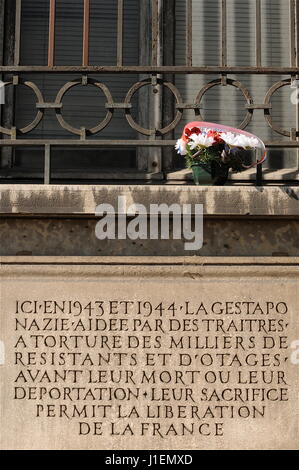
(226, 104)
(82, 106)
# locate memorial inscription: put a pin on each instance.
(149, 357)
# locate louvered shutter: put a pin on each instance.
(82, 106)
(226, 104)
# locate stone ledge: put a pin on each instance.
(151, 260)
(80, 200)
(185, 268)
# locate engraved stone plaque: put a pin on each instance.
(149, 353)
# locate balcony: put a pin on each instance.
(79, 114)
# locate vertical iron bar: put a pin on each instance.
(155, 31)
(294, 52)
(258, 33)
(258, 58)
(2, 42)
(47, 172)
(144, 96)
(223, 33)
(155, 158)
(8, 58)
(296, 27)
(18, 32)
(292, 33)
(259, 175)
(2, 38)
(168, 101)
(51, 45)
(189, 33)
(86, 28)
(120, 32)
(259, 172)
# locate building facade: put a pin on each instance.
(96, 95)
(183, 347)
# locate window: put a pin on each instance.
(112, 83)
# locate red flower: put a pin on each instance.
(188, 132)
(216, 136)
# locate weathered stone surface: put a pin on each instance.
(205, 331)
(76, 237)
(82, 200)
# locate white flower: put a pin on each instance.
(246, 142)
(249, 142)
(181, 147)
(229, 138)
(240, 140)
(200, 141)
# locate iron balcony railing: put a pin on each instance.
(156, 136)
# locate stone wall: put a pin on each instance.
(60, 220)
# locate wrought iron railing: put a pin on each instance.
(156, 136)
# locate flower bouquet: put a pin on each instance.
(211, 150)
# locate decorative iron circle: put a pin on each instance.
(94, 130)
(267, 114)
(40, 112)
(161, 131)
(234, 83)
